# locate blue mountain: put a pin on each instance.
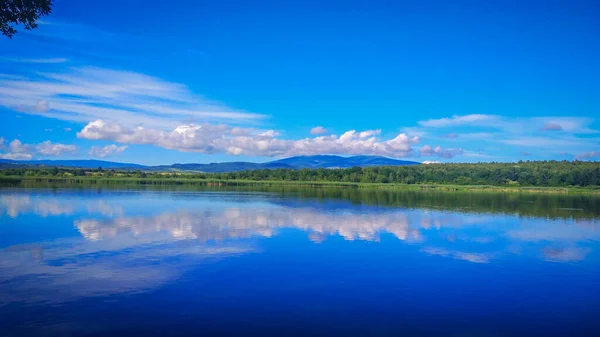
(328, 161)
(299, 162)
(85, 163)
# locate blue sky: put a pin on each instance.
(158, 82)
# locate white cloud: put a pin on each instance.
(16, 150)
(67, 129)
(369, 133)
(25, 60)
(209, 138)
(106, 151)
(427, 150)
(269, 134)
(477, 119)
(48, 148)
(427, 162)
(87, 93)
(16, 156)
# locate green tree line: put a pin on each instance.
(527, 173)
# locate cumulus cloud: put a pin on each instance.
(85, 94)
(318, 130)
(48, 148)
(220, 138)
(588, 155)
(428, 162)
(427, 150)
(16, 150)
(106, 151)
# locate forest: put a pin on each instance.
(524, 173)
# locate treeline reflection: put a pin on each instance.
(550, 206)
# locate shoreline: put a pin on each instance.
(15, 181)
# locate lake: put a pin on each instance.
(291, 262)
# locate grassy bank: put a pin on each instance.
(134, 181)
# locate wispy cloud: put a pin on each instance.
(456, 120)
(544, 133)
(547, 142)
(30, 60)
(86, 94)
(588, 155)
(465, 256)
(576, 125)
(513, 125)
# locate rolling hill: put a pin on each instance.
(298, 162)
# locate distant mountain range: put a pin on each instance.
(299, 162)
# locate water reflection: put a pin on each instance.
(132, 242)
(14, 205)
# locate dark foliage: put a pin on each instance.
(22, 12)
(535, 173)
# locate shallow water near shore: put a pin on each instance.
(229, 262)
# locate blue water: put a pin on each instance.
(111, 263)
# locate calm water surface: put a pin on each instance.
(288, 263)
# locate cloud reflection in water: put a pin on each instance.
(131, 244)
